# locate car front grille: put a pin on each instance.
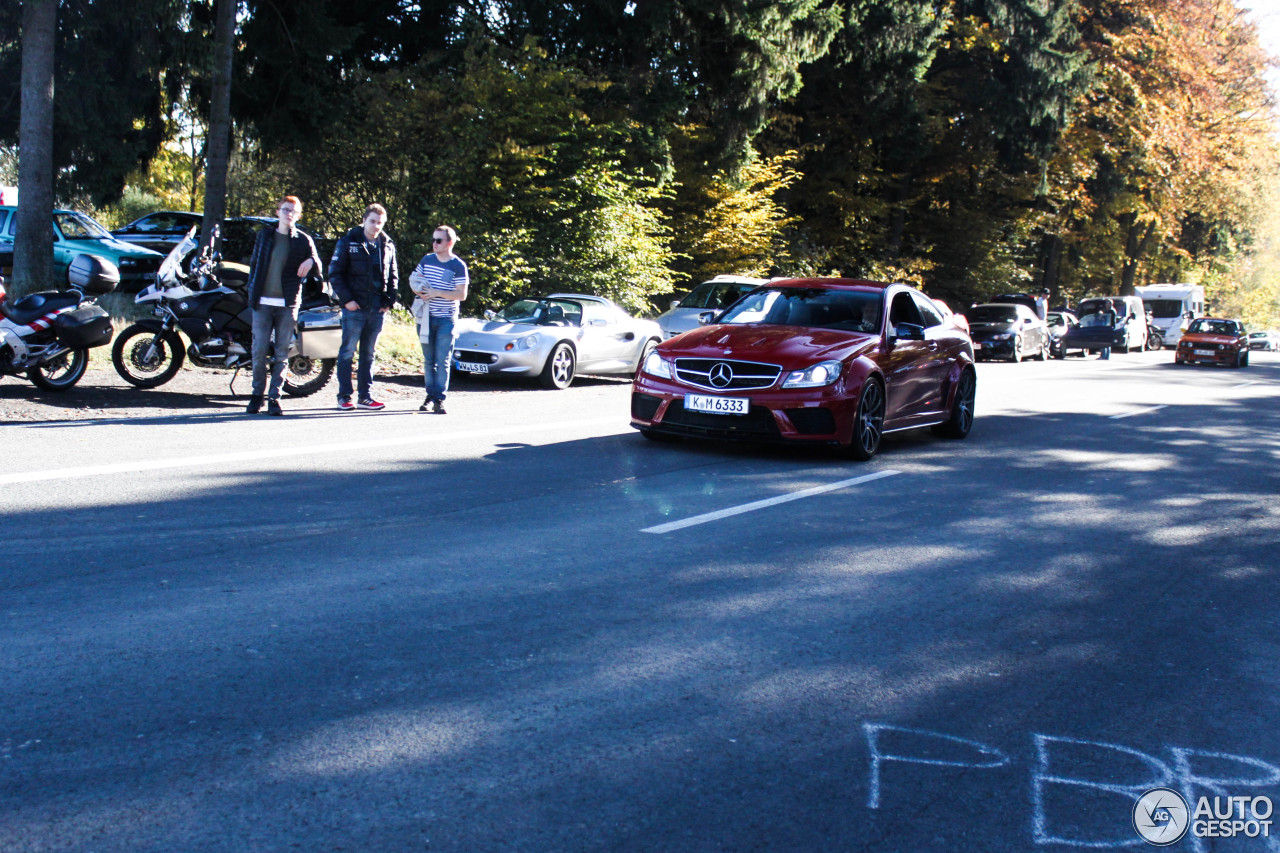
(717, 374)
(473, 357)
(758, 422)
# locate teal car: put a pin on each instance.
(77, 234)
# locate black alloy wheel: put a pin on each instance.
(961, 419)
(868, 423)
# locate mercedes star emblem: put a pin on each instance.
(721, 375)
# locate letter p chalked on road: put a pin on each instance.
(1205, 782)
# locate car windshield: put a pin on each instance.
(1164, 309)
(77, 226)
(715, 295)
(843, 310)
(992, 314)
(1054, 319)
(1258, 335)
(1214, 327)
(542, 312)
(1096, 319)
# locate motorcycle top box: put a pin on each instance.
(86, 326)
(93, 274)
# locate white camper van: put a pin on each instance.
(1169, 304)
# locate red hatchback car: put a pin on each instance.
(1214, 341)
(832, 361)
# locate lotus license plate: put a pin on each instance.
(472, 367)
(1204, 352)
(717, 405)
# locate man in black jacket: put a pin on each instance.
(365, 278)
(282, 257)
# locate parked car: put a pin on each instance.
(77, 234)
(1007, 330)
(553, 339)
(1059, 323)
(6, 259)
(827, 360)
(1097, 331)
(159, 231)
(1214, 340)
(165, 229)
(714, 295)
(1265, 341)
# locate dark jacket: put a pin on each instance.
(300, 248)
(357, 276)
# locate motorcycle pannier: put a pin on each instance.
(93, 274)
(86, 326)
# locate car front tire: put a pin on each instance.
(868, 423)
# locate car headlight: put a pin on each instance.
(1003, 336)
(656, 365)
(822, 373)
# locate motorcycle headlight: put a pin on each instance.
(656, 365)
(822, 373)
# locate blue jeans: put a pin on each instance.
(362, 327)
(273, 328)
(437, 353)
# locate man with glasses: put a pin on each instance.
(440, 282)
(282, 258)
(365, 278)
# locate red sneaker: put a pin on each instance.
(371, 404)
(345, 404)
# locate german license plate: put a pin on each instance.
(717, 405)
(472, 367)
(1204, 352)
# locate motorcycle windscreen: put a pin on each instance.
(171, 267)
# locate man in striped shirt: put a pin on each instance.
(440, 282)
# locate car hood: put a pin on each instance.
(499, 328)
(112, 246)
(1203, 338)
(789, 346)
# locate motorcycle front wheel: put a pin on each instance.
(147, 358)
(305, 376)
(60, 373)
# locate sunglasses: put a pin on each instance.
(439, 239)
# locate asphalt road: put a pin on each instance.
(522, 626)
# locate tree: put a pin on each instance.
(33, 249)
(219, 140)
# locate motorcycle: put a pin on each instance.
(209, 304)
(48, 335)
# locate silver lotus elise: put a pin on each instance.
(554, 339)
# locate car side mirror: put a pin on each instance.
(706, 318)
(908, 332)
(675, 303)
(489, 313)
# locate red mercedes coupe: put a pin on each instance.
(823, 360)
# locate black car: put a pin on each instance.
(159, 231)
(1007, 330)
(165, 229)
(1059, 323)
